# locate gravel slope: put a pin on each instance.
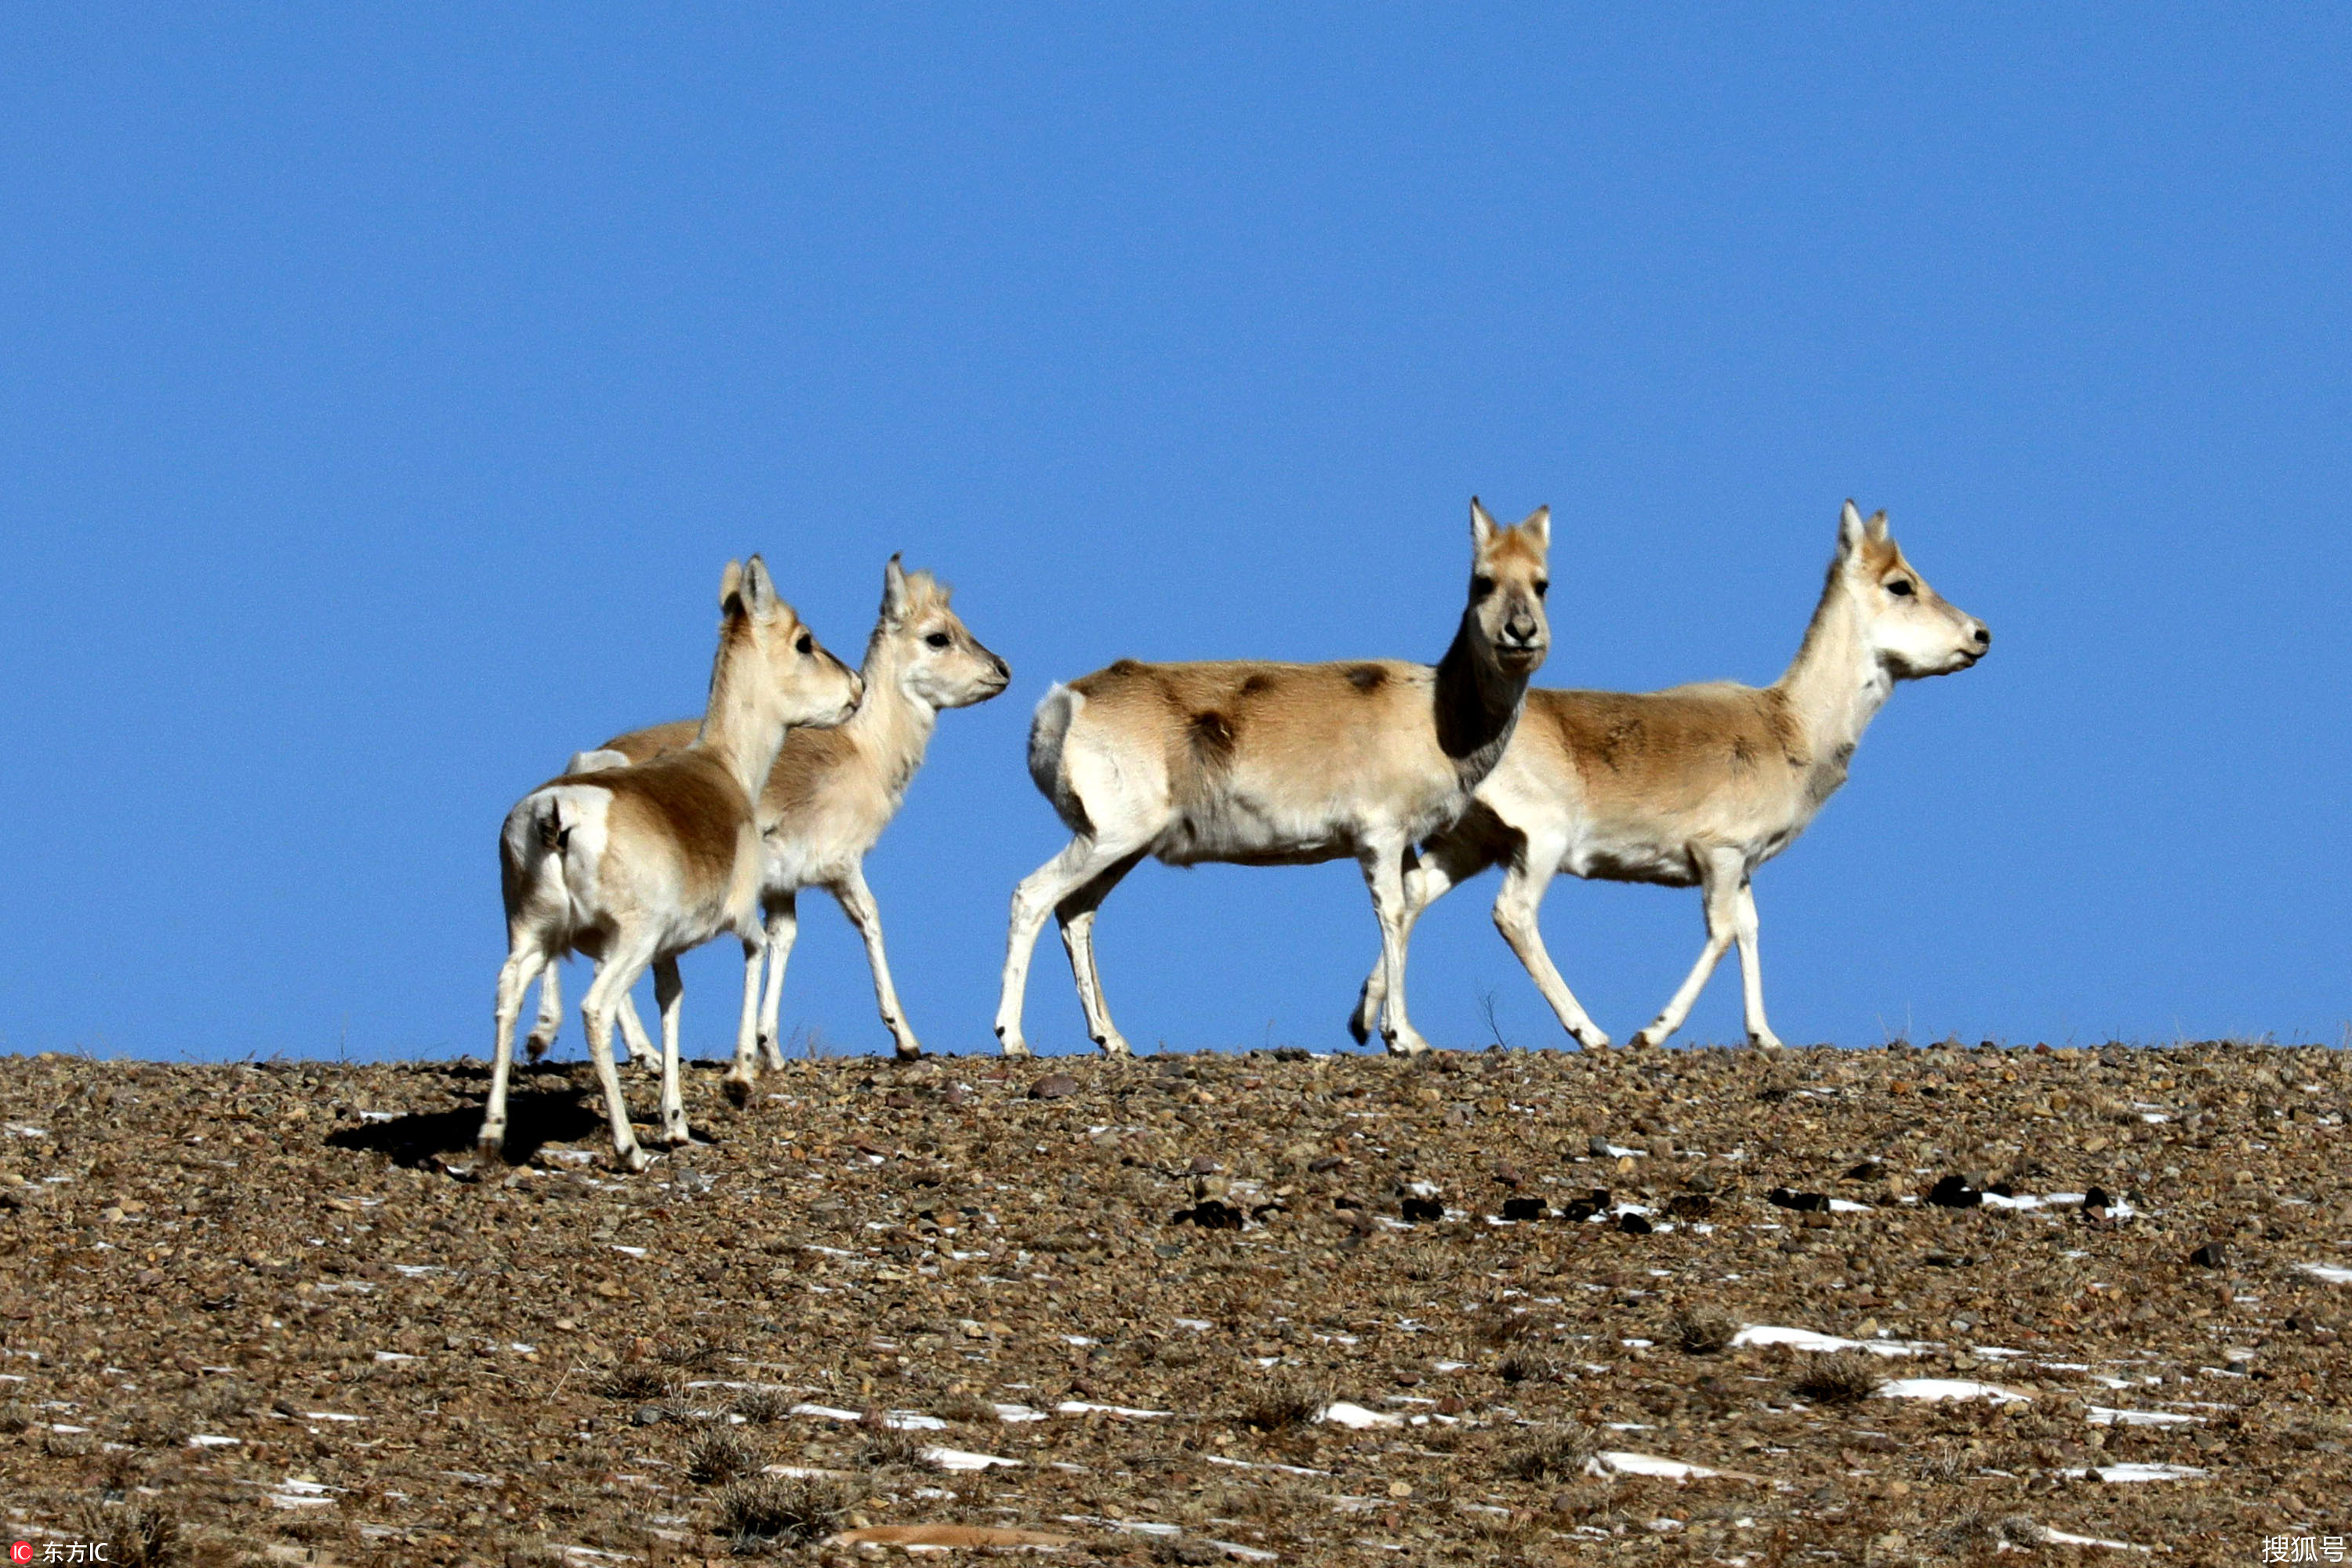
(278, 1312)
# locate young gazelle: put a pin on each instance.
(832, 793)
(632, 866)
(1275, 765)
(1697, 784)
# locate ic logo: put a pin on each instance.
(20, 1552)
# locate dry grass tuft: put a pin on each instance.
(1285, 1401)
(720, 1455)
(1558, 1452)
(763, 1406)
(1697, 1331)
(760, 1511)
(1841, 1377)
(637, 1382)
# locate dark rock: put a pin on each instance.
(2211, 1256)
(1525, 1209)
(1210, 1214)
(1955, 1192)
(1634, 1225)
(1054, 1086)
(2098, 1197)
(1690, 1206)
(1867, 1171)
(1803, 1203)
(1202, 1165)
(1327, 1163)
(1418, 1210)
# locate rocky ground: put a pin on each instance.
(1191, 1309)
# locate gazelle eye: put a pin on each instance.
(1543, 587)
(939, 639)
(1481, 587)
(807, 644)
(1900, 587)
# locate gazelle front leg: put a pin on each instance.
(1515, 916)
(745, 1069)
(857, 902)
(784, 929)
(1431, 873)
(1751, 972)
(1721, 873)
(1383, 867)
(667, 989)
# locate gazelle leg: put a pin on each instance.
(857, 902)
(1383, 867)
(1039, 895)
(614, 977)
(550, 1022)
(745, 1069)
(1751, 972)
(1432, 872)
(515, 973)
(1515, 911)
(634, 1039)
(1077, 913)
(667, 989)
(784, 929)
(1719, 877)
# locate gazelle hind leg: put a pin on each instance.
(1719, 876)
(1751, 972)
(550, 1022)
(522, 964)
(1039, 895)
(619, 970)
(1077, 914)
(634, 1042)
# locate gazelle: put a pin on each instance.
(1695, 784)
(1278, 765)
(831, 794)
(632, 866)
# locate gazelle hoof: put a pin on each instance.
(738, 1092)
(1408, 1045)
(631, 1160)
(908, 1050)
(535, 1047)
(1015, 1047)
(677, 1137)
(1115, 1046)
(491, 1146)
(1593, 1040)
(1766, 1042)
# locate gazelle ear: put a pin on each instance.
(1482, 527)
(730, 590)
(1876, 527)
(894, 591)
(1539, 527)
(1850, 530)
(759, 591)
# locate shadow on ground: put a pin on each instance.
(534, 1118)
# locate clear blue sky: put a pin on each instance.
(380, 395)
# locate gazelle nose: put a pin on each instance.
(1520, 629)
(1984, 636)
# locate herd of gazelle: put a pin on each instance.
(664, 838)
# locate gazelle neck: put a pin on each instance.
(892, 726)
(1478, 704)
(1837, 683)
(744, 724)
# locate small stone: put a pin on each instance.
(1634, 1225)
(1956, 1192)
(1054, 1086)
(1418, 1211)
(2211, 1256)
(1524, 1209)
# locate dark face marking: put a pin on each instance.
(1253, 685)
(1211, 735)
(1367, 678)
